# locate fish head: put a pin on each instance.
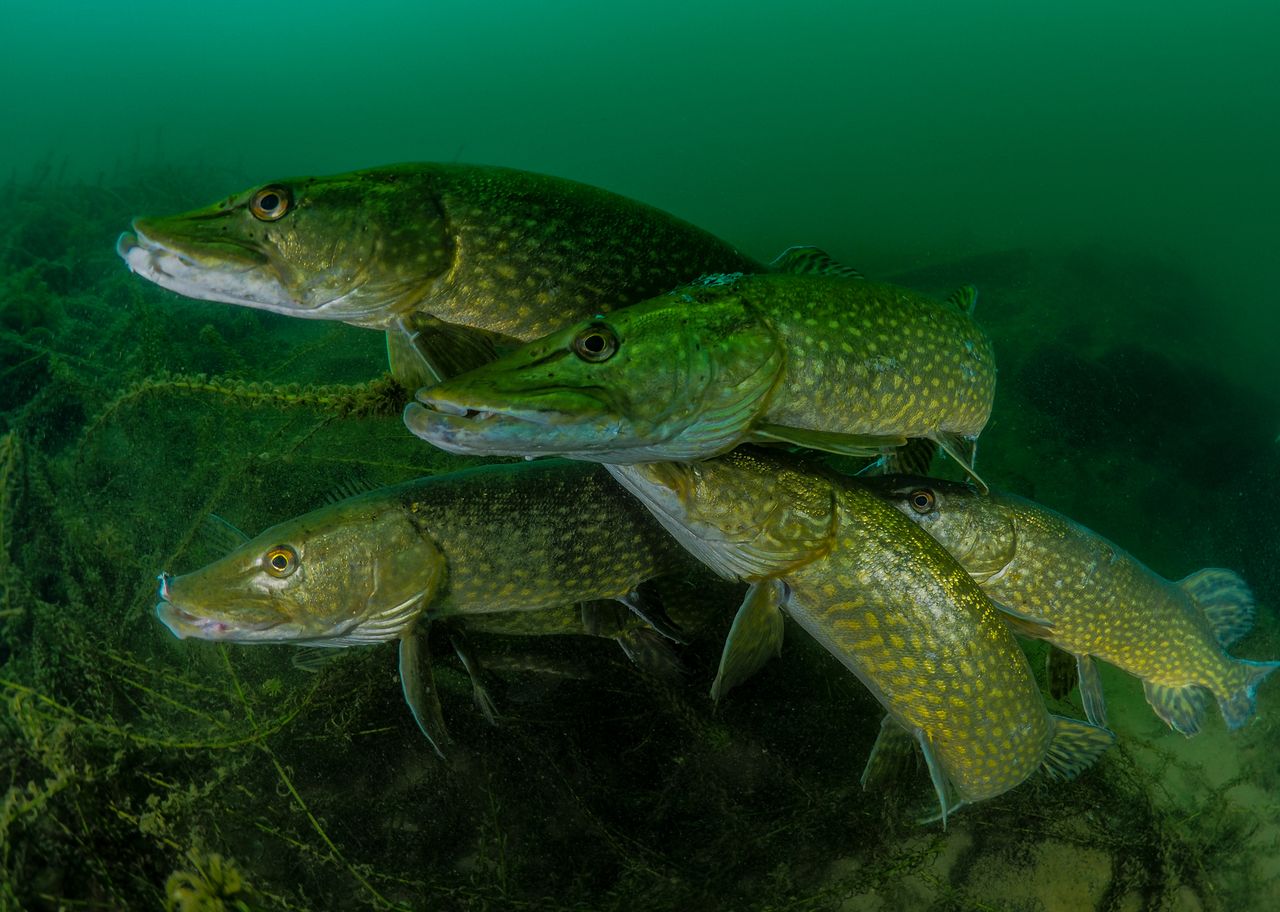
(361, 248)
(749, 514)
(977, 529)
(352, 572)
(663, 379)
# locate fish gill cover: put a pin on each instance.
(144, 772)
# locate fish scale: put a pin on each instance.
(450, 259)
(822, 361)
(1096, 600)
(881, 596)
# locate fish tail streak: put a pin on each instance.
(1225, 600)
(1075, 747)
(1238, 706)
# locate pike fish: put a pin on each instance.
(381, 565)
(815, 360)
(1100, 601)
(451, 260)
(882, 597)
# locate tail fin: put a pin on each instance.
(1237, 707)
(1075, 747)
(1225, 600)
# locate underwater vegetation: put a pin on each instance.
(144, 772)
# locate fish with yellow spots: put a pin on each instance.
(815, 360)
(1100, 601)
(882, 597)
(476, 544)
(454, 261)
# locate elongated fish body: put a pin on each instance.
(821, 361)
(892, 605)
(509, 254)
(1101, 601)
(380, 565)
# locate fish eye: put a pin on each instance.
(270, 203)
(596, 343)
(922, 500)
(281, 561)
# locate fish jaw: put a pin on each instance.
(225, 272)
(246, 620)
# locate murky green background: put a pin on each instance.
(1104, 175)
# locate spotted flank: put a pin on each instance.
(807, 359)
(884, 599)
(495, 546)
(1102, 604)
(452, 260)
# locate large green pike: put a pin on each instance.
(380, 566)
(452, 258)
(881, 596)
(820, 361)
(1100, 601)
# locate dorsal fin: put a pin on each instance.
(965, 297)
(349, 487)
(812, 261)
(1225, 600)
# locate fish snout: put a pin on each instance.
(165, 591)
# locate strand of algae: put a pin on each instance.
(379, 901)
(381, 397)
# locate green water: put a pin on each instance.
(1104, 176)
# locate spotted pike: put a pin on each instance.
(882, 597)
(1101, 602)
(381, 565)
(451, 259)
(815, 360)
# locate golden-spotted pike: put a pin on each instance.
(881, 596)
(1100, 601)
(381, 565)
(816, 360)
(450, 259)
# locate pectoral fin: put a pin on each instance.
(424, 350)
(754, 638)
(419, 686)
(652, 612)
(1037, 628)
(962, 450)
(845, 444)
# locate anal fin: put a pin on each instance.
(754, 638)
(1182, 708)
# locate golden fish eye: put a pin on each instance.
(596, 343)
(281, 561)
(922, 501)
(270, 203)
